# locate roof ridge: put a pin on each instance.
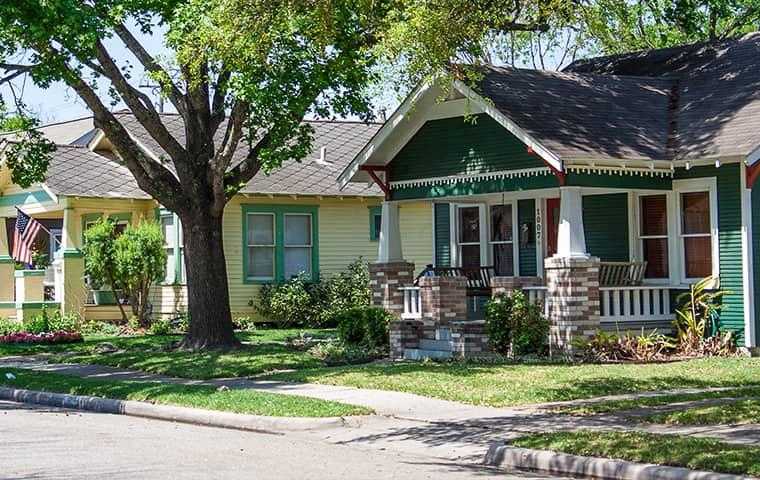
(588, 74)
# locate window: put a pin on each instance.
(695, 234)
(653, 234)
(280, 242)
(468, 223)
(375, 222)
(261, 246)
(171, 228)
(502, 240)
(297, 248)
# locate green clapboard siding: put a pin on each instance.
(756, 254)
(468, 187)
(455, 146)
(442, 230)
(605, 224)
(729, 239)
(612, 180)
(526, 213)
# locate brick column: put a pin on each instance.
(444, 300)
(573, 299)
(385, 279)
(507, 285)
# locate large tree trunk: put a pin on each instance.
(208, 293)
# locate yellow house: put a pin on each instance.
(328, 227)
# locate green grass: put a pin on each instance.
(263, 351)
(622, 405)
(695, 453)
(734, 413)
(513, 384)
(195, 396)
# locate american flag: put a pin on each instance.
(26, 231)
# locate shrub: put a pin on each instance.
(696, 317)
(47, 338)
(181, 321)
(289, 303)
(9, 326)
(365, 326)
(97, 327)
(245, 323)
(162, 326)
(516, 326)
(646, 347)
(47, 322)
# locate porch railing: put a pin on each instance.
(631, 304)
(412, 303)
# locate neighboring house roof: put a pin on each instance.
(584, 116)
(78, 131)
(716, 109)
(341, 140)
(77, 171)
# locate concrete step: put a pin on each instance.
(442, 345)
(420, 354)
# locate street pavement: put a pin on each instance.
(47, 443)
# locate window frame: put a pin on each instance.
(248, 246)
(178, 247)
(374, 212)
(279, 212)
(680, 187)
(285, 246)
(486, 250)
(515, 232)
(640, 237)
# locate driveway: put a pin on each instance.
(45, 443)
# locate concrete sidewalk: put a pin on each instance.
(416, 424)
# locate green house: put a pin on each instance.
(607, 188)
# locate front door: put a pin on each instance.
(552, 225)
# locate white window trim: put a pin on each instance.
(310, 245)
(273, 246)
(486, 253)
(636, 239)
(696, 185)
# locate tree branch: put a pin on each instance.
(17, 70)
(151, 65)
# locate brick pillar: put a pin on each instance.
(385, 279)
(444, 300)
(573, 299)
(507, 285)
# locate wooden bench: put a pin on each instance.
(621, 274)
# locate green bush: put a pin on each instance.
(338, 353)
(100, 328)
(246, 323)
(8, 327)
(302, 302)
(46, 322)
(365, 326)
(161, 326)
(516, 326)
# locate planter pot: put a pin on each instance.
(103, 297)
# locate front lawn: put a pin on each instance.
(734, 413)
(695, 453)
(195, 396)
(263, 351)
(519, 384)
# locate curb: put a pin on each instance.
(504, 456)
(193, 416)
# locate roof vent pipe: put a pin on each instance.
(322, 160)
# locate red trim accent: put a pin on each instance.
(561, 176)
(531, 151)
(371, 169)
(752, 172)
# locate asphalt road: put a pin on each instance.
(44, 443)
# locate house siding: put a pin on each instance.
(526, 213)
(756, 255)
(442, 235)
(729, 239)
(605, 225)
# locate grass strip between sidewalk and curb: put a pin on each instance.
(611, 406)
(673, 450)
(194, 396)
(735, 413)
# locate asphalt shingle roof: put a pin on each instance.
(585, 116)
(717, 106)
(76, 170)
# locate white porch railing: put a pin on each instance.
(643, 302)
(535, 294)
(412, 303)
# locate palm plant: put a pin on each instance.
(698, 306)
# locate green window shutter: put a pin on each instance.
(442, 234)
(605, 224)
(526, 213)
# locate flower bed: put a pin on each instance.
(47, 338)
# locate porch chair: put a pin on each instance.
(621, 274)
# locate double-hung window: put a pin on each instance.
(280, 242)
(696, 234)
(171, 228)
(653, 235)
(468, 236)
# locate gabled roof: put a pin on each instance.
(584, 116)
(716, 111)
